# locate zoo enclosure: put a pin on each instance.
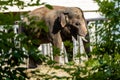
(90, 14)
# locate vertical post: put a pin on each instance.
(63, 55)
(50, 53)
(75, 50)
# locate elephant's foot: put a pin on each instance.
(32, 64)
(57, 59)
(60, 60)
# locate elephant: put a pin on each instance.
(62, 23)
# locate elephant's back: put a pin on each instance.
(42, 11)
(39, 12)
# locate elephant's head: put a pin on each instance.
(75, 21)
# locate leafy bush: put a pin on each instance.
(11, 56)
(14, 47)
(105, 65)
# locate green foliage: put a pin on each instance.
(48, 6)
(107, 45)
(11, 56)
(14, 48)
(4, 4)
(109, 32)
(9, 18)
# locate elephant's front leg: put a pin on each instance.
(57, 46)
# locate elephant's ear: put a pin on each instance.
(64, 19)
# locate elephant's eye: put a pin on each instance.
(77, 24)
(78, 17)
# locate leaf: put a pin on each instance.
(5, 8)
(57, 67)
(48, 6)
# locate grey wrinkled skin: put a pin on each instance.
(62, 23)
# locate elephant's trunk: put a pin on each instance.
(83, 29)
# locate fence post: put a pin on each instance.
(63, 55)
(79, 54)
(75, 50)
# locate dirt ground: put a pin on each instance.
(44, 71)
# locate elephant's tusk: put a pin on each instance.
(83, 38)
